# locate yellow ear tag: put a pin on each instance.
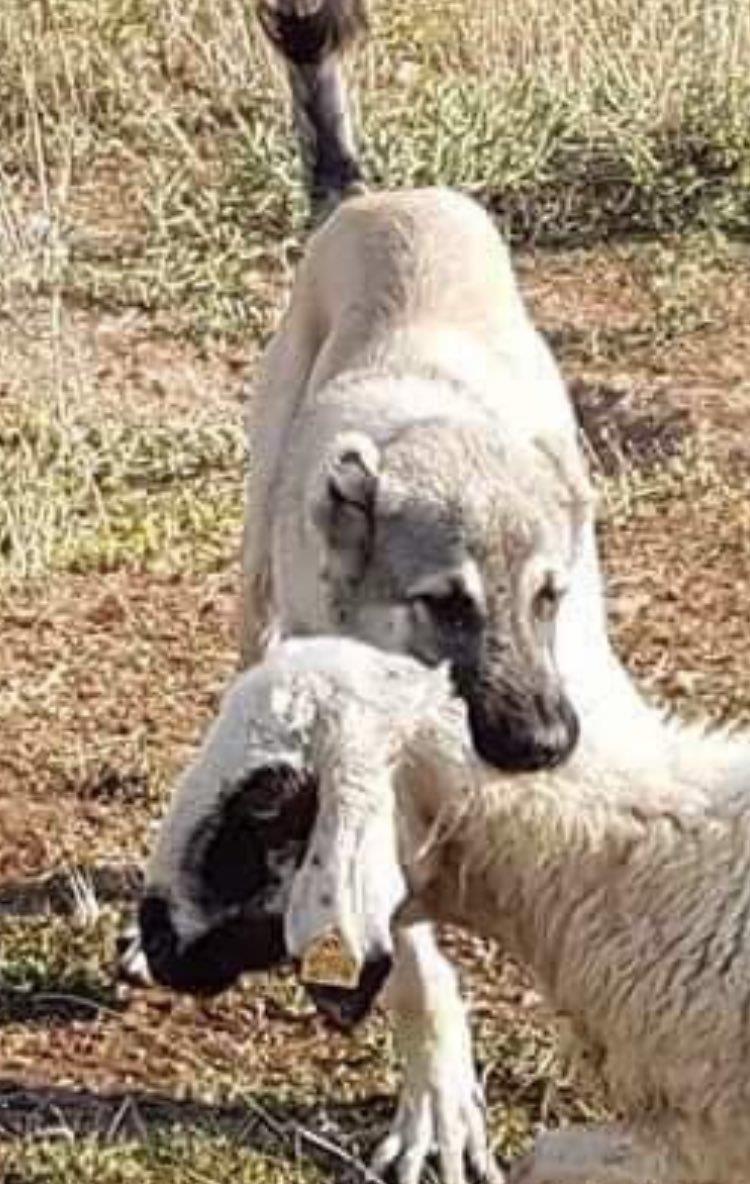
(328, 962)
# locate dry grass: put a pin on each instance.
(150, 218)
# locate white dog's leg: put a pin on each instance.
(271, 408)
(597, 1155)
(256, 616)
(441, 1104)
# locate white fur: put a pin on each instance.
(405, 307)
(624, 885)
(362, 350)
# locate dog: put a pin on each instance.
(415, 482)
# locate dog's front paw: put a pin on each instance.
(441, 1109)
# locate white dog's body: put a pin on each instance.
(625, 888)
(406, 334)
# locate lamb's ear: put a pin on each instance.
(343, 499)
(338, 917)
(270, 811)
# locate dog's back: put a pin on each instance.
(413, 281)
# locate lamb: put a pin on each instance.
(627, 893)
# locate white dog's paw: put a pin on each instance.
(441, 1109)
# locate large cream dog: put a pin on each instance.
(416, 483)
(414, 475)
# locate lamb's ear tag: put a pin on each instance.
(329, 962)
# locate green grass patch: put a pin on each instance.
(171, 1157)
(54, 971)
(78, 494)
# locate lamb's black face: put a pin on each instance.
(234, 881)
(222, 914)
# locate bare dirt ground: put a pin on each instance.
(109, 677)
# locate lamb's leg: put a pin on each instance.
(441, 1103)
(598, 1155)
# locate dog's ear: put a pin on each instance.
(343, 500)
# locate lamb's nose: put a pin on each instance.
(158, 936)
(132, 965)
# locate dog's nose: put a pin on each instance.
(556, 733)
(539, 736)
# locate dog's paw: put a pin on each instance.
(441, 1109)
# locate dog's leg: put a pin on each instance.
(599, 1155)
(441, 1104)
(256, 621)
(312, 35)
(271, 407)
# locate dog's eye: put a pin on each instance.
(453, 609)
(547, 598)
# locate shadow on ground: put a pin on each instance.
(329, 1135)
(623, 429)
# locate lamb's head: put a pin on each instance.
(296, 756)
(449, 545)
(216, 890)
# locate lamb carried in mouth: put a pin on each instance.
(337, 798)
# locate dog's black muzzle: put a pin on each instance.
(517, 733)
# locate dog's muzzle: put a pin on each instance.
(535, 732)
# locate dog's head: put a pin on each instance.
(451, 546)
